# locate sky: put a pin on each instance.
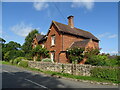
(99, 18)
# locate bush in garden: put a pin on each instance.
(46, 60)
(112, 62)
(23, 63)
(40, 52)
(11, 61)
(38, 58)
(75, 54)
(18, 59)
(90, 52)
(107, 73)
(97, 60)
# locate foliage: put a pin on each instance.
(90, 52)
(46, 60)
(23, 63)
(11, 61)
(105, 73)
(98, 60)
(75, 54)
(118, 59)
(38, 58)
(112, 62)
(29, 56)
(13, 54)
(40, 52)
(11, 50)
(2, 41)
(27, 46)
(18, 59)
(11, 46)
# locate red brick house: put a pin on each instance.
(60, 37)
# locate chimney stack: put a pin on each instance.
(70, 21)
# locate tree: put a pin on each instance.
(13, 54)
(12, 50)
(75, 54)
(27, 46)
(12, 46)
(2, 41)
(40, 52)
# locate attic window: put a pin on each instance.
(52, 40)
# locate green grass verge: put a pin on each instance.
(4, 62)
(67, 75)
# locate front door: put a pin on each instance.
(52, 56)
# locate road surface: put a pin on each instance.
(16, 77)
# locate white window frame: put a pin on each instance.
(52, 40)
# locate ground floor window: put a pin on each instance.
(52, 56)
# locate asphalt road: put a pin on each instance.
(16, 77)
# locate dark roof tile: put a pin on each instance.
(80, 44)
(39, 37)
(74, 31)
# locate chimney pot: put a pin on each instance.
(70, 21)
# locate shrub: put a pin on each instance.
(75, 54)
(99, 60)
(118, 59)
(11, 61)
(40, 52)
(90, 52)
(46, 60)
(112, 62)
(23, 63)
(38, 58)
(18, 59)
(13, 54)
(107, 73)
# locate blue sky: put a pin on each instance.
(99, 18)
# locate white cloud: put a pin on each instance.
(103, 35)
(112, 36)
(22, 29)
(40, 5)
(107, 35)
(88, 4)
(43, 33)
(110, 52)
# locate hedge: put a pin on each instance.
(18, 59)
(46, 60)
(107, 73)
(23, 63)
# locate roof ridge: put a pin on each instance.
(75, 31)
(70, 27)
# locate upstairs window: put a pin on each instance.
(52, 40)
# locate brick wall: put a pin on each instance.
(68, 40)
(58, 45)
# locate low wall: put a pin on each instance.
(77, 69)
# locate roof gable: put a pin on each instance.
(80, 44)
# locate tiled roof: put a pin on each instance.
(74, 31)
(39, 37)
(80, 44)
